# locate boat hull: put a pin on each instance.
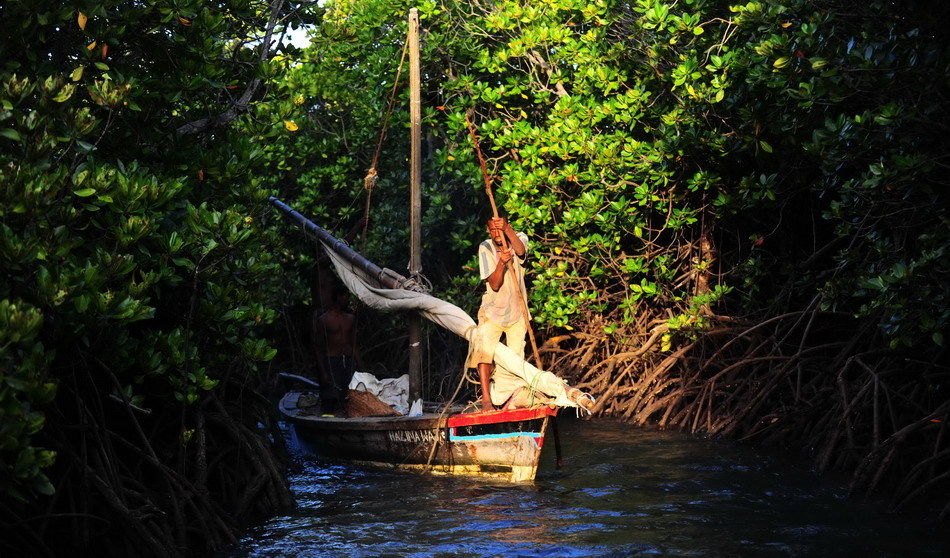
(499, 444)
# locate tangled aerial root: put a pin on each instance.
(814, 380)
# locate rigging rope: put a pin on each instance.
(372, 175)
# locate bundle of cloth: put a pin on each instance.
(393, 392)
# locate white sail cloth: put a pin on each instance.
(449, 316)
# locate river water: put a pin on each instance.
(622, 491)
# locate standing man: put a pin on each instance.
(501, 310)
(504, 311)
(334, 338)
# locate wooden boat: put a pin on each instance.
(504, 444)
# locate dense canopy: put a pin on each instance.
(739, 211)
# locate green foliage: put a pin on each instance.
(338, 93)
(801, 143)
(23, 363)
(594, 111)
(622, 133)
(850, 119)
(133, 259)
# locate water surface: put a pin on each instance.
(622, 491)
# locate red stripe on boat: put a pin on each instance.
(505, 415)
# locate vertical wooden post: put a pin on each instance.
(415, 201)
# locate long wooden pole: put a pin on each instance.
(415, 201)
(494, 210)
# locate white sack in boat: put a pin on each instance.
(436, 310)
(391, 391)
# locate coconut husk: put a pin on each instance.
(365, 404)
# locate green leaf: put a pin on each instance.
(43, 486)
(781, 62)
(765, 146)
(65, 93)
(77, 73)
(85, 192)
(10, 134)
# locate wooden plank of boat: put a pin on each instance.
(502, 444)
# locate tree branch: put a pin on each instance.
(241, 104)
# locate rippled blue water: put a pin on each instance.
(622, 492)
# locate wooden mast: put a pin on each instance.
(415, 202)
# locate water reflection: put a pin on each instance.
(622, 492)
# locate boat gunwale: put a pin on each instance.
(426, 421)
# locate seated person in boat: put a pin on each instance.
(334, 338)
(504, 310)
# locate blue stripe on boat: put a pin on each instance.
(453, 436)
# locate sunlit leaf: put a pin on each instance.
(65, 93)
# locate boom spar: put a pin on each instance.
(385, 277)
